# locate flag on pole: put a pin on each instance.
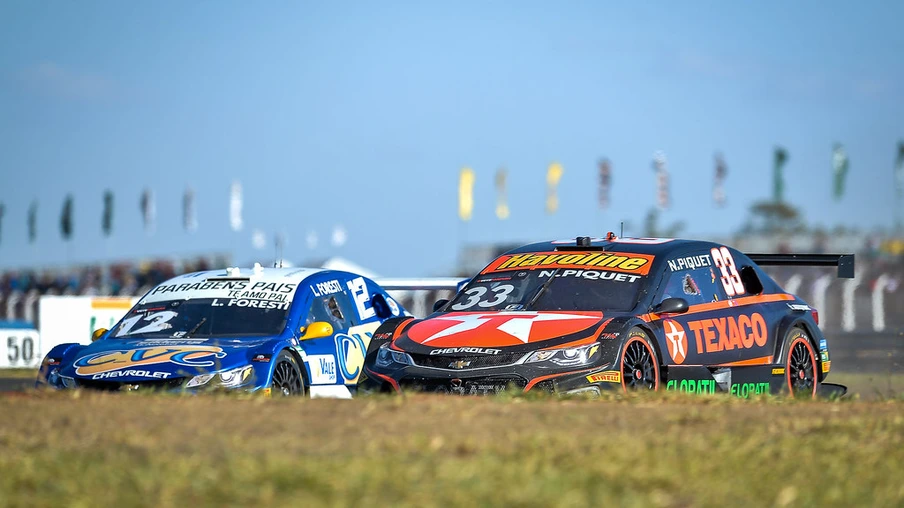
(148, 211)
(840, 169)
(235, 206)
(778, 177)
(312, 240)
(899, 169)
(553, 175)
(660, 165)
(32, 221)
(339, 236)
(502, 209)
(66, 218)
(106, 220)
(605, 170)
(465, 194)
(719, 181)
(2, 212)
(189, 218)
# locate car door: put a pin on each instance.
(724, 324)
(330, 303)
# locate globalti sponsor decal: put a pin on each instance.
(745, 390)
(692, 385)
(576, 260)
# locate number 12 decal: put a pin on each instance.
(731, 280)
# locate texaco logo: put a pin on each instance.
(677, 340)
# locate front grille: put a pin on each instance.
(115, 386)
(468, 362)
(470, 386)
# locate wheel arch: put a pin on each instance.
(812, 332)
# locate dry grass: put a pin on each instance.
(85, 449)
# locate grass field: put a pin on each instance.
(92, 449)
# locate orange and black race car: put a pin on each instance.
(592, 314)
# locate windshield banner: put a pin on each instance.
(576, 260)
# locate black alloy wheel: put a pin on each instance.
(287, 380)
(639, 365)
(801, 368)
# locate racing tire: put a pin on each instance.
(800, 364)
(638, 363)
(287, 380)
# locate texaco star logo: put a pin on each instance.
(677, 340)
(516, 324)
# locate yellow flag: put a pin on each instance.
(553, 175)
(502, 209)
(465, 194)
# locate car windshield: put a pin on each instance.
(569, 290)
(203, 317)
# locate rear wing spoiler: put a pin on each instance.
(844, 262)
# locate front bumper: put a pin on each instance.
(488, 380)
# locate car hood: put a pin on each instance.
(461, 332)
(143, 359)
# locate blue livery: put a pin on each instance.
(289, 331)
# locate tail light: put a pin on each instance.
(815, 314)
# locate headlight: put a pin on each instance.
(387, 357)
(226, 379)
(68, 382)
(566, 357)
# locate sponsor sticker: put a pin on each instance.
(745, 390)
(131, 373)
(729, 333)
(322, 368)
(189, 356)
(677, 340)
(692, 385)
(576, 260)
(609, 376)
(778, 371)
(826, 366)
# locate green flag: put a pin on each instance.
(778, 178)
(66, 218)
(32, 221)
(106, 222)
(840, 168)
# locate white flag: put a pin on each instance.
(235, 206)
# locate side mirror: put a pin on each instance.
(380, 306)
(316, 330)
(440, 304)
(98, 334)
(671, 306)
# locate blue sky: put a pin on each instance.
(363, 113)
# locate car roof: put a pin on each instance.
(651, 246)
(218, 283)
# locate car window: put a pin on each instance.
(335, 309)
(697, 285)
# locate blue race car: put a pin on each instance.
(288, 331)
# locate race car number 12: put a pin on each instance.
(731, 280)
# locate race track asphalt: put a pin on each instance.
(13, 384)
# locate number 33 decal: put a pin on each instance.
(731, 280)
